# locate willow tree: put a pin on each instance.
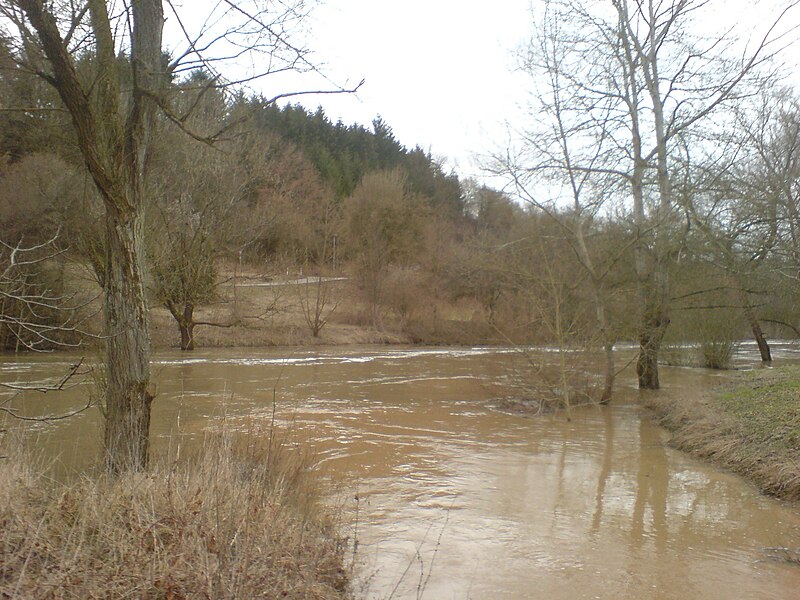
(114, 108)
(114, 138)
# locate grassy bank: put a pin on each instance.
(751, 426)
(237, 520)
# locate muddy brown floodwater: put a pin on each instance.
(459, 500)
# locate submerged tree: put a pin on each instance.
(559, 170)
(74, 47)
(635, 85)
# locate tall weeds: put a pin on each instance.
(237, 519)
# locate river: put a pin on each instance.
(451, 498)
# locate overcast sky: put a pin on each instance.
(442, 73)
(439, 72)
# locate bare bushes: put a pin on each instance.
(316, 303)
(239, 519)
(383, 223)
(36, 310)
(708, 338)
(717, 332)
(542, 381)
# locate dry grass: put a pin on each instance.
(750, 426)
(272, 316)
(255, 315)
(239, 519)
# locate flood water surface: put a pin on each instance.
(451, 498)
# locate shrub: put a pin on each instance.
(703, 337)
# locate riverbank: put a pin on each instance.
(239, 519)
(254, 310)
(750, 425)
(298, 313)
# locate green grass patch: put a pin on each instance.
(766, 408)
(750, 425)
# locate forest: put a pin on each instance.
(651, 199)
(281, 189)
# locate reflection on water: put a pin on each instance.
(458, 500)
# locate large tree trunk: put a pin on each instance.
(653, 296)
(755, 327)
(128, 396)
(647, 361)
(656, 303)
(651, 330)
(645, 248)
(655, 320)
(115, 148)
(128, 400)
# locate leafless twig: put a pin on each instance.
(63, 383)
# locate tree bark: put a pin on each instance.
(609, 374)
(655, 320)
(115, 151)
(128, 396)
(127, 428)
(649, 259)
(647, 362)
(758, 333)
(185, 320)
(187, 335)
(186, 325)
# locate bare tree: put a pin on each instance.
(39, 318)
(631, 82)
(731, 200)
(766, 188)
(559, 171)
(74, 47)
(681, 80)
(114, 141)
(187, 213)
(184, 264)
(316, 303)
(742, 200)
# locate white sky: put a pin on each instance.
(439, 72)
